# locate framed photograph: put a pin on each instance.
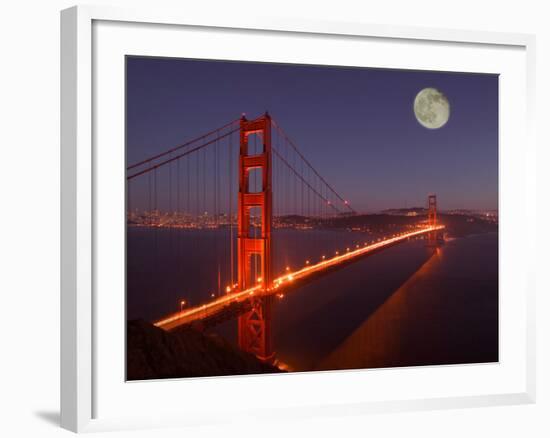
(342, 212)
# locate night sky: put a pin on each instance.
(356, 125)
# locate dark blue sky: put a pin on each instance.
(356, 125)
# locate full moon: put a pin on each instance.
(431, 108)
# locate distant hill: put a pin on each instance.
(413, 211)
(456, 225)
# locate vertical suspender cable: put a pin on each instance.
(128, 202)
(180, 206)
(197, 182)
(230, 197)
(149, 213)
(170, 186)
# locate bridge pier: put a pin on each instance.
(254, 326)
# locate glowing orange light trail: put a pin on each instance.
(208, 309)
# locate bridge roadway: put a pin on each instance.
(233, 303)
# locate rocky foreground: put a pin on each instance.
(153, 353)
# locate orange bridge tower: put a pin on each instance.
(432, 219)
(253, 246)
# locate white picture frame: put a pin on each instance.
(80, 169)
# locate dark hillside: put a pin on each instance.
(153, 353)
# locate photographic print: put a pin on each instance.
(295, 218)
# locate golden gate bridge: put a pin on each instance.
(276, 187)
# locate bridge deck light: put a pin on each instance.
(228, 289)
(182, 303)
(259, 279)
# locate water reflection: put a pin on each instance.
(403, 306)
(311, 323)
(446, 313)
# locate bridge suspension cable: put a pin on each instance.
(304, 181)
(181, 146)
(177, 157)
(310, 166)
(194, 186)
